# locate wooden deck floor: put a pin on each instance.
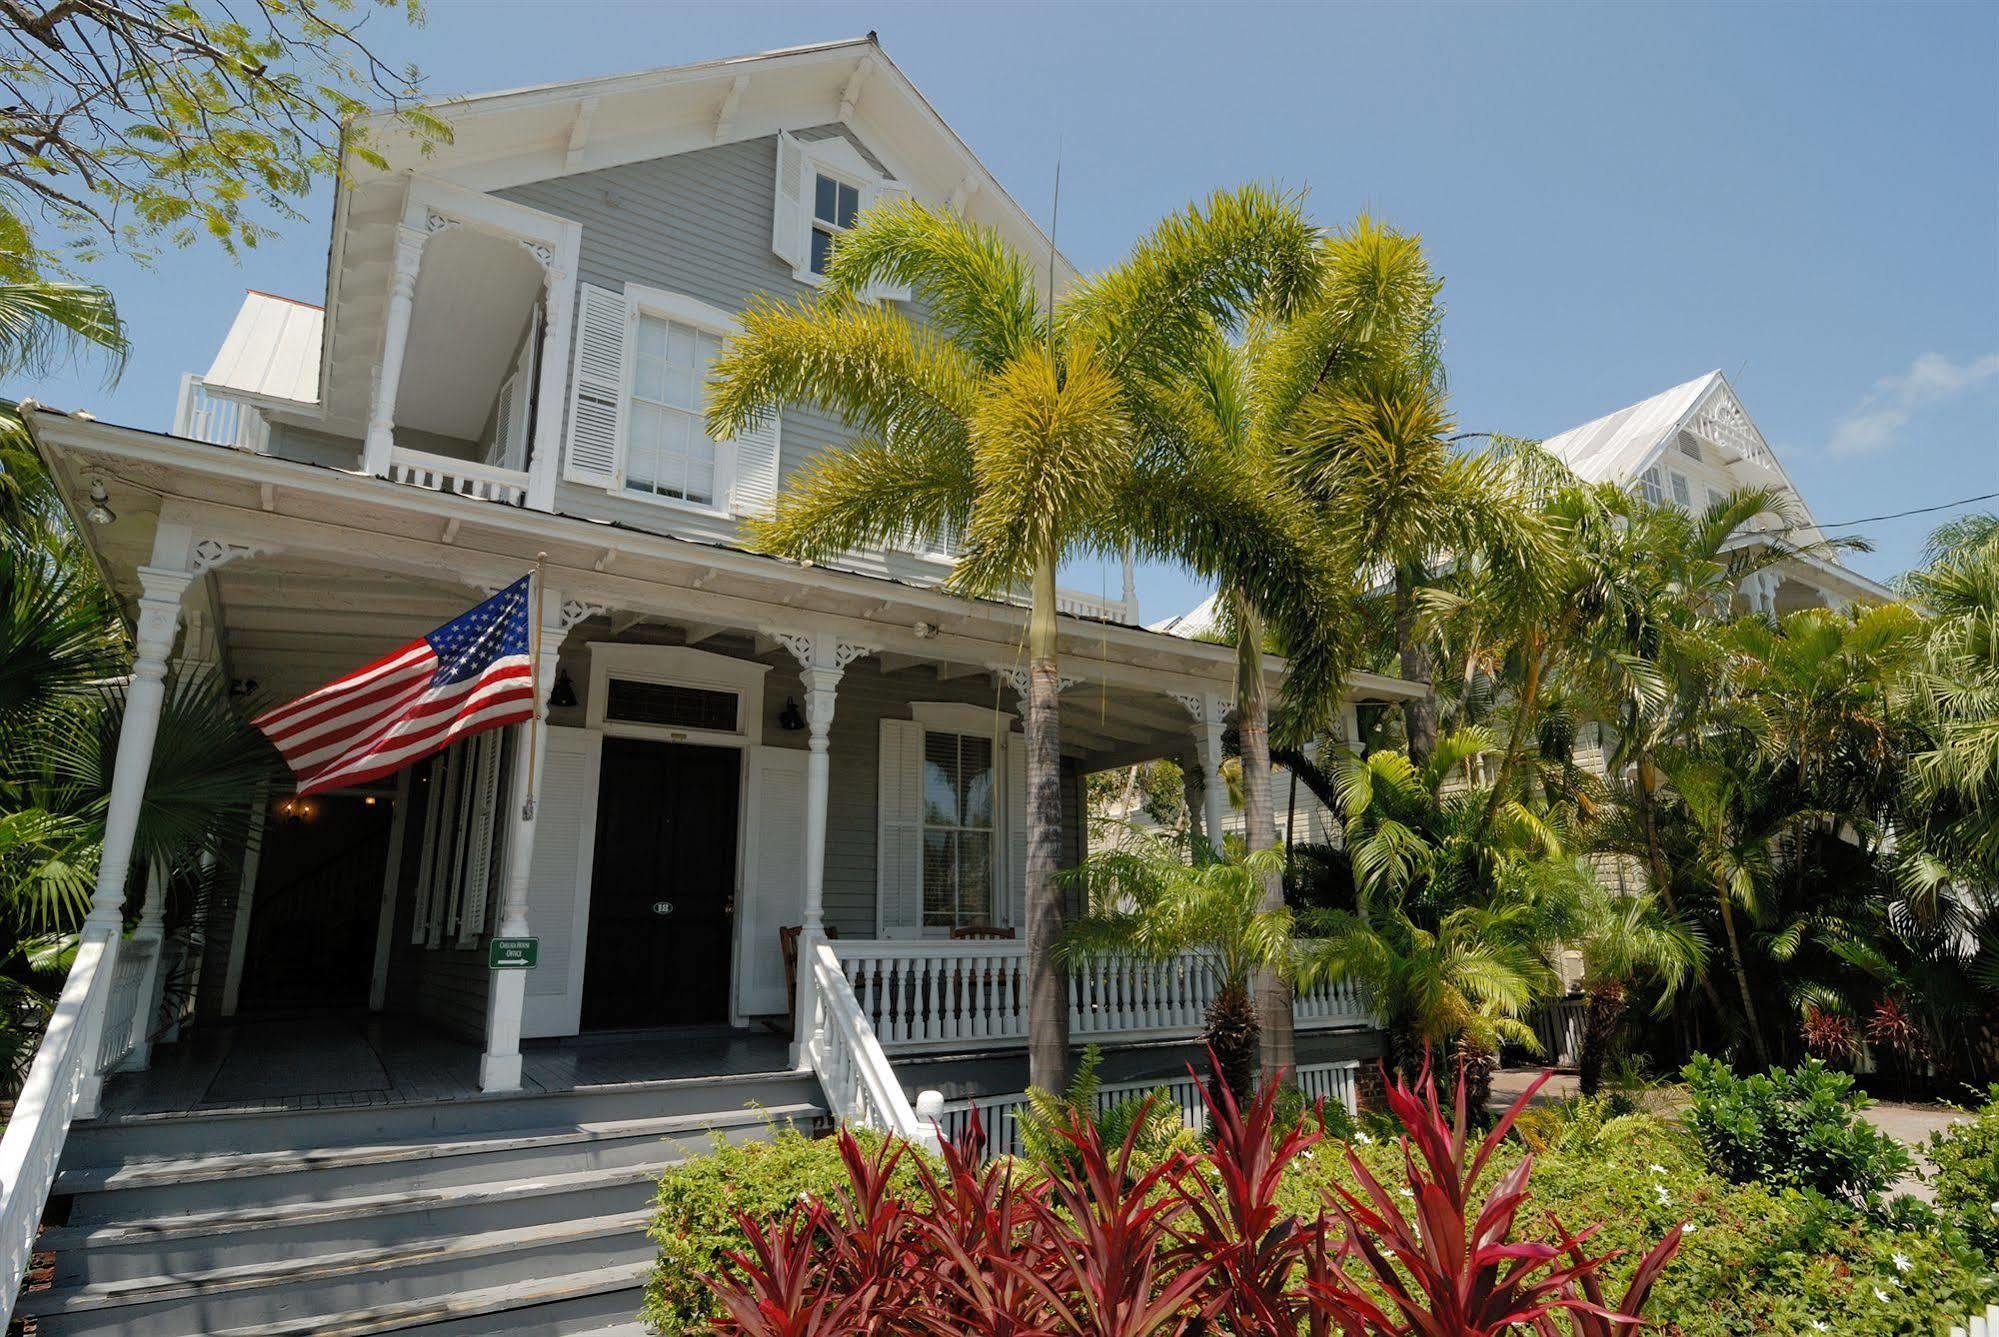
(321, 1062)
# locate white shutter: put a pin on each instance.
(888, 192)
(480, 846)
(565, 837)
(426, 876)
(899, 813)
(773, 877)
(596, 388)
(754, 491)
(787, 220)
(1016, 828)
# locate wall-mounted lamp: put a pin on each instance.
(563, 695)
(100, 512)
(790, 719)
(242, 686)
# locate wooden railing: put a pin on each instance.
(467, 478)
(999, 1116)
(1077, 604)
(32, 1145)
(924, 994)
(126, 1012)
(201, 416)
(861, 1088)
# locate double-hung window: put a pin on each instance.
(835, 205)
(668, 451)
(1648, 486)
(1683, 495)
(959, 809)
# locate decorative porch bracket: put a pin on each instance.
(1208, 711)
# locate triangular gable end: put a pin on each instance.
(1721, 425)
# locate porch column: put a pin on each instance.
(506, 998)
(1315, 815)
(544, 450)
(149, 937)
(822, 659)
(1207, 710)
(159, 618)
(395, 339)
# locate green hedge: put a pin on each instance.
(1965, 1174)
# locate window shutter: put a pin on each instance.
(480, 862)
(899, 810)
(754, 491)
(565, 824)
(1016, 828)
(596, 388)
(426, 878)
(787, 220)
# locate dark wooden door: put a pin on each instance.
(662, 890)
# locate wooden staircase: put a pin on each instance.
(515, 1214)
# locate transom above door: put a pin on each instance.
(675, 694)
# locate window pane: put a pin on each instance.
(975, 878)
(822, 250)
(680, 345)
(649, 378)
(976, 784)
(642, 454)
(701, 474)
(940, 779)
(1681, 494)
(850, 204)
(825, 203)
(940, 868)
(652, 336)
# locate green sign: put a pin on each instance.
(513, 953)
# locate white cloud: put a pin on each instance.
(1877, 420)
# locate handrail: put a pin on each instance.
(470, 478)
(201, 415)
(32, 1146)
(860, 1085)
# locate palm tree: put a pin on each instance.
(1623, 938)
(1731, 859)
(44, 324)
(1167, 901)
(1953, 694)
(1012, 420)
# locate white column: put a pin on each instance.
(822, 658)
(545, 451)
(506, 999)
(1315, 812)
(395, 341)
(1350, 725)
(1208, 750)
(148, 937)
(159, 617)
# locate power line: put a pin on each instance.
(1920, 510)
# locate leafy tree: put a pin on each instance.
(130, 122)
(1953, 767)
(1012, 421)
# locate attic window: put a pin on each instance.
(1682, 494)
(1648, 487)
(835, 204)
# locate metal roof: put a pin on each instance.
(271, 350)
(1615, 447)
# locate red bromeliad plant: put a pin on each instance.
(1450, 1267)
(1101, 1247)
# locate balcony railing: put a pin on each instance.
(466, 478)
(1077, 604)
(930, 995)
(202, 416)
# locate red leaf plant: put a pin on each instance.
(979, 1221)
(781, 1293)
(1112, 1270)
(1258, 1249)
(1440, 1276)
(1599, 1322)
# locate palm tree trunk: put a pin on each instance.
(1047, 983)
(1278, 1052)
(1742, 980)
(1419, 716)
(1655, 854)
(1231, 1036)
(1600, 1017)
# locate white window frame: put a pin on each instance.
(1683, 491)
(996, 727)
(691, 311)
(864, 189)
(676, 666)
(1650, 486)
(836, 158)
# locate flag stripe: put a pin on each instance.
(430, 713)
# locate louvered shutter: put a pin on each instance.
(888, 192)
(481, 865)
(787, 221)
(899, 812)
(596, 389)
(754, 491)
(1016, 828)
(426, 874)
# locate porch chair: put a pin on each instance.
(787, 944)
(981, 933)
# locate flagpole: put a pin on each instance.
(534, 677)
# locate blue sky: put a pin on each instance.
(1620, 197)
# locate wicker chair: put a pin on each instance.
(787, 943)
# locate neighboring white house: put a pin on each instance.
(507, 365)
(1685, 446)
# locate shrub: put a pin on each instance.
(1046, 1117)
(1793, 1129)
(1964, 1162)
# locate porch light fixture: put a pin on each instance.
(100, 512)
(563, 695)
(790, 719)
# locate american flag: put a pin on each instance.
(471, 674)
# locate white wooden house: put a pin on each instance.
(506, 364)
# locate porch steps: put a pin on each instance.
(518, 1214)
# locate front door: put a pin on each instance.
(663, 886)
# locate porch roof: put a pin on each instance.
(345, 566)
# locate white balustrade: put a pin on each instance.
(1078, 604)
(860, 1087)
(1979, 1325)
(999, 1116)
(466, 478)
(949, 995)
(202, 416)
(32, 1145)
